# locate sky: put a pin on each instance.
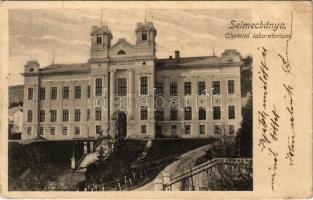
(40, 34)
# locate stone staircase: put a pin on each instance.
(91, 157)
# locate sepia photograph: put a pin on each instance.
(128, 100)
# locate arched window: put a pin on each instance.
(121, 52)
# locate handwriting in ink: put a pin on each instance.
(263, 75)
(273, 168)
(262, 116)
(274, 124)
(290, 109)
(285, 59)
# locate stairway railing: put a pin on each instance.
(207, 165)
(98, 142)
(79, 161)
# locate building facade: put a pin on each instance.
(124, 89)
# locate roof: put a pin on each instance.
(66, 68)
(123, 41)
(202, 61)
(192, 62)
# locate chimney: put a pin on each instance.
(177, 55)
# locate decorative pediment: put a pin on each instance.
(122, 47)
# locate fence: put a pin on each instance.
(243, 165)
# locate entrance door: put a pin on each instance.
(121, 124)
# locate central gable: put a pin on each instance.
(123, 49)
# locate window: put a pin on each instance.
(41, 130)
(99, 40)
(216, 112)
(88, 91)
(98, 129)
(78, 91)
(159, 115)
(187, 88)
(66, 92)
(54, 92)
(121, 87)
(173, 88)
(98, 86)
(201, 88)
(231, 129)
(188, 113)
(173, 114)
(29, 116)
(65, 115)
(30, 93)
(216, 87)
(187, 129)
(202, 114)
(42, 116)
(121, 52)
(98, 114)
(53, 115)
(143, 129)
(88, 114)
(202, 129)
(42, 94)
(52, 130)
(77, 115)
(231, 87)
(144, 36)
(77, 130)
(231, 112)
(159, 88)
(29, 130)
(143, 85)
(143, 113)
(217, 129)
(65, 130)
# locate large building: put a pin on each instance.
(124, 89)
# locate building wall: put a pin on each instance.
(59, 104)
(194, 75)
(30, 82)
(137, 61)
(131, 104)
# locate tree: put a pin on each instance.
(244, 135)
(101, 156)
(246, 76)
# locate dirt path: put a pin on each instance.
(179, 165)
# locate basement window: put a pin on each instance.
(143, 129)
(188, 129)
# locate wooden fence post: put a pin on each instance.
(166, 180)
(158, 184)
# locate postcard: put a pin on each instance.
(151, 99)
